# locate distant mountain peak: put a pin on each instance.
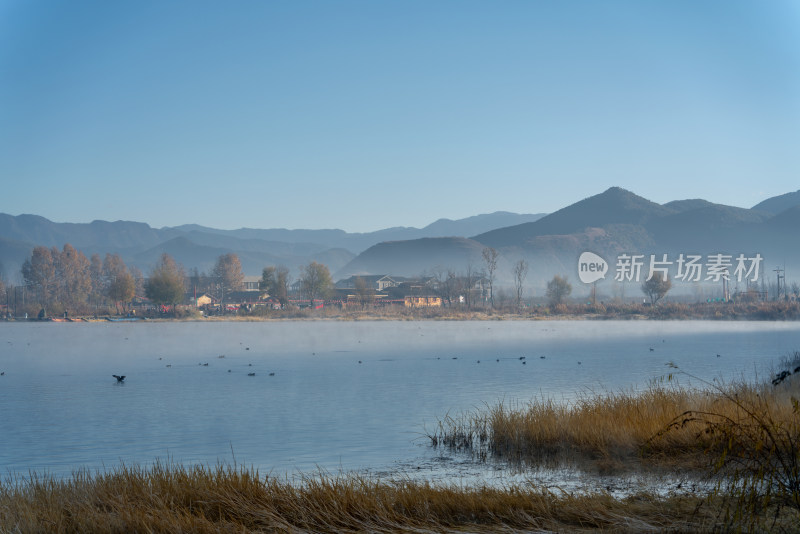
(616, 190)
(615, 205)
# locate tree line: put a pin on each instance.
(64, 280)
(59, 280)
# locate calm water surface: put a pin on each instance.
(322, 409)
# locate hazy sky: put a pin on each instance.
(364, 115)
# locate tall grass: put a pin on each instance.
(173, 498)
(745, 437)
(610, 427)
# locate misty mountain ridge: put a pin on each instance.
(198, 246)
(608, 223)
(612, 222)
(359, 241)
(415, 257)
(614, 206)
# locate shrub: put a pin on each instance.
(754, 448)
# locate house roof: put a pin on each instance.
(368, 278)
(365, 277)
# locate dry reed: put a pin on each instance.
(173, 498)
(743, 437)
(613, 426)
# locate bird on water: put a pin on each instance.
(119, 378)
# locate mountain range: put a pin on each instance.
(198, 246)
(609, 223)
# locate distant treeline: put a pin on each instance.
(66, 281)
(59, 280)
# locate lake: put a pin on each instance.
(353, 396)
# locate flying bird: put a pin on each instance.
(119, 378)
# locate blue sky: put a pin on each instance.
(365, 115)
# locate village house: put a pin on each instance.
(251, 283)
(378, 282)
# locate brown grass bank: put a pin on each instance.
(742, 438)
(613, 427)
(169, 498)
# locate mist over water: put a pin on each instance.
(62, 409)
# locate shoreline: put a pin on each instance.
(712, 311)
(761, 316)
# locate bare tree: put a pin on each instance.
(121, 290)
(39, 272)
(282, 283)
(200, 282)
(166, 282)
(195, 282)
(73, 281)
(468, 284)
(113, 266)
(656, 287)
(97, 279)
(316, 282)
(138, 280)
(275, 281)
(520, 273)
(119, 287)
(490, 256)
(267, 281)
(557, 290)
(450, 287)
(228, 272)
(364, 292)
(444, 281)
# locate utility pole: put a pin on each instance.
(781, 281)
